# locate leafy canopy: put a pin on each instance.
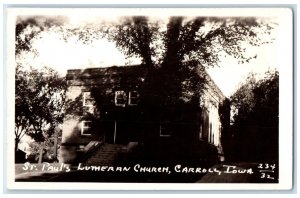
(39, 100)
(39, 94)
(255, 126)
(193, 41)
(257, 101)
(178, 51)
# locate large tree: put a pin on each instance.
(39, 93)
(177, 51)
(39, 100)
(256, 118)
(196, 41)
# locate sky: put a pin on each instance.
(73, 54)
(230, 74)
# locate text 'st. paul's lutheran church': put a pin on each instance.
(103, 108)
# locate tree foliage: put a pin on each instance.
(255, 120)
(39, 100)
(39, 93)
(255, 98)
(31, 27)
(195, 41)
(176, 52)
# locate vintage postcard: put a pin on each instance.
(149, 99)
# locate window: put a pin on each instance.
(87, 99)
(120, 98)
(86, 128)
(165, 130)
(133, 98)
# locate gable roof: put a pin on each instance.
(119, 74)
(106, 75)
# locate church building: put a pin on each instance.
(103, 107)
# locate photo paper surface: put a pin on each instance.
(150, 99)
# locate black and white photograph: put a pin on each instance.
(150, 98)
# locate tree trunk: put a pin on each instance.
(17, 141)
(41, 154)
(55, 145)
(173, 44)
